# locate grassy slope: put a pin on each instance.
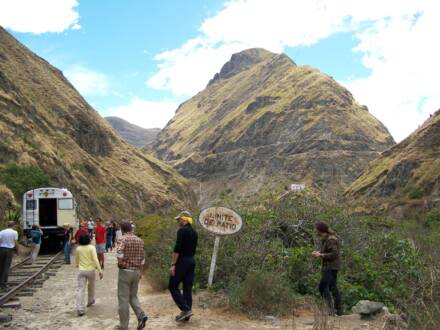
(311, 118)
(385, 183)
(45, 122)
(197, 119)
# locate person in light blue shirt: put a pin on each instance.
(36, 234)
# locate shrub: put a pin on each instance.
(261, 292)
(158, 277)
(270, 261)
(433, 218)
(20, 179)
(7, 203)
(157, 233)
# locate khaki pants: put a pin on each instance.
(128, 282)
(85, 277)
(35, 249)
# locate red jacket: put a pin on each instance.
(80, 232)
(100, 232)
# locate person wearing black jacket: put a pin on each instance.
(183, 265)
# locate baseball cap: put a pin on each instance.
(183, 214)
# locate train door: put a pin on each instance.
(30, 217)
(47, 212)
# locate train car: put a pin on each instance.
(49, 208)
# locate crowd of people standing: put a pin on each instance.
(106, 236)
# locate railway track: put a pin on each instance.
(24, 277)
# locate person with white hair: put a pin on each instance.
(118, 234)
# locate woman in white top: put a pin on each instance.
(118, 235)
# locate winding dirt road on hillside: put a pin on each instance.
(53, 307)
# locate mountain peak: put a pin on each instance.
(244, 59)
(133, 134)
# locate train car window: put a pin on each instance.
(30, 204)
(65, 204)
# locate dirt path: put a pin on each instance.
(53, 307)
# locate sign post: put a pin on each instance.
(219, 221)
(213, 260)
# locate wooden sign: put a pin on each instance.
(220, 220)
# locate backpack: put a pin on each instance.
(36, 237)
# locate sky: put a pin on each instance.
(139, 59)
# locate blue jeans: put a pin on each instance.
(108, 242)
(67, 252)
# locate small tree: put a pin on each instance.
(20, 178)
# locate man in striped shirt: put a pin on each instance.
(131, 260)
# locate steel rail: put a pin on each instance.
(20, 263)
(13, 291)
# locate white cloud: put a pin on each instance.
(144, 113)
(398, 48)
(87, 81)
(39, 16)
(188, 69)
(402, 90)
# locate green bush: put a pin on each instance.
(20, 179)
(433, 218)
(158, 277)
(269, 261)
(262, 292)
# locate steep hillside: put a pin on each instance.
(406, 178)
(135, 135)
(263, 121)
(46, 123)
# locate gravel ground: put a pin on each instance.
(53, 307)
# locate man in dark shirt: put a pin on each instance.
(183, 265)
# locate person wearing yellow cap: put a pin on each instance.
(183, 265)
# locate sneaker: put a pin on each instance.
(179, 317)
(182, 316)
(141, 322)
(91, 303)
(81, 313)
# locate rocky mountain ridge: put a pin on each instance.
(135, 135)
(404, 180)
(263, 121)
(46, 123)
